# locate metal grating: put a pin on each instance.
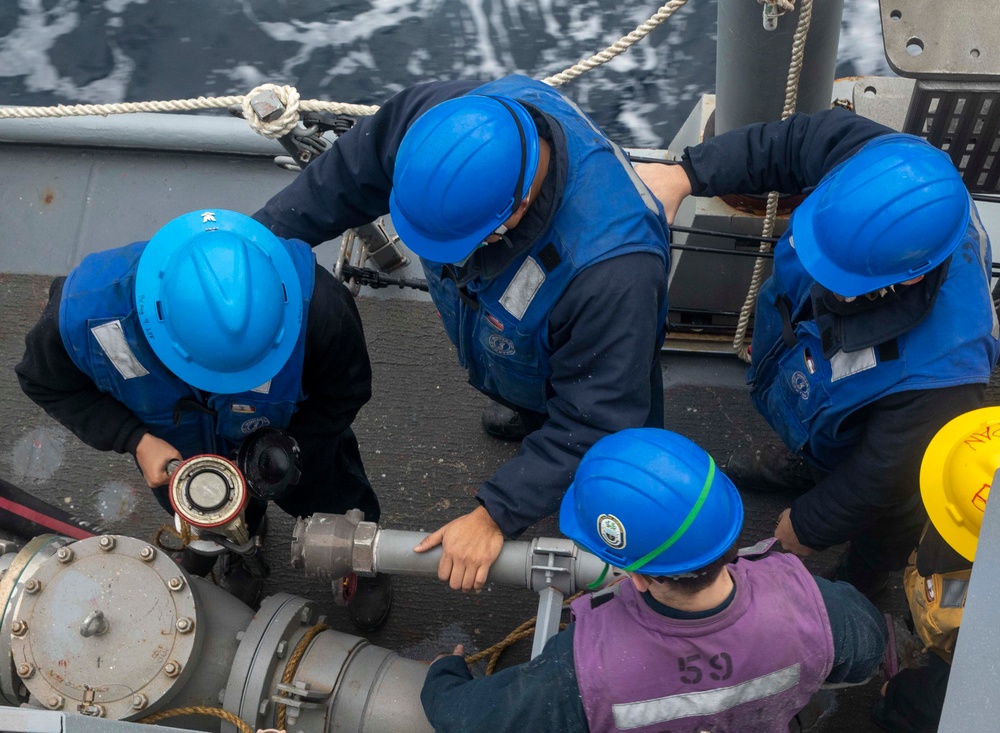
(964, 121)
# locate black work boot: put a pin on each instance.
(888, 719)
(244, 576)
(503, 422)
(369, 605)
(772, 468)
(869, 581)
(194, 562)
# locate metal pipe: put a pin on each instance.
(144, 131)
(110, 627)
(334, 545)
(752, 63)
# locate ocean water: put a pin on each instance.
(98, 51)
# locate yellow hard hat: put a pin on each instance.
(956, 474)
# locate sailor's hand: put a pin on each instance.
(786, 536)
(459, 652)
(153, 455)
(470, 546)
(669, 183)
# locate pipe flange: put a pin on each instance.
(23, 566)
(103, 628)
(277, 627)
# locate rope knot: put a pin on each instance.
(272, 110)
(784, 6)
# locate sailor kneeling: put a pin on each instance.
(697, 638)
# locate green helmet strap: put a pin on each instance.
(685, 525)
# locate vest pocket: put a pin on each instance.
(240, 415)
(789, 386)
(510, 365)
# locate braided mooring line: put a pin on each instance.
(276, 128)
(289, 96)
(786, 6)
(521, 632)
(199, 710)
(293, 664)
(616, 48)
(770, 214)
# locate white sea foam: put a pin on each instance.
(366, 51)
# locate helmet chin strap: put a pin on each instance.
(874, 295)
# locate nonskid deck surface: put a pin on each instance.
(425, 454)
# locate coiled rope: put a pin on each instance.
(184, 536)
(292, 103)
(770, 214)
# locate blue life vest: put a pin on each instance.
(807, 398)
(606, 211)
(101, 333)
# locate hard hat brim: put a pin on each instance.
(433, 250)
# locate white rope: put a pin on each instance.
(785, 6)
(770, 213)
(616, 48)
(289, 96)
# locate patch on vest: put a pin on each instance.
(611, 530)
(255, 424)
(845, 364)
(800, 383)
(523, 288)
(501, 345)
(112, 341)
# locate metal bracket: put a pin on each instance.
(306, 140)
(383, 248)
(303, 144)
(299, 698)
(552, 564)
(550, 608)
(928, 39)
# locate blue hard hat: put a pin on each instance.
(651, 501)
(461, 170)
(893, 211)
(219, 300)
